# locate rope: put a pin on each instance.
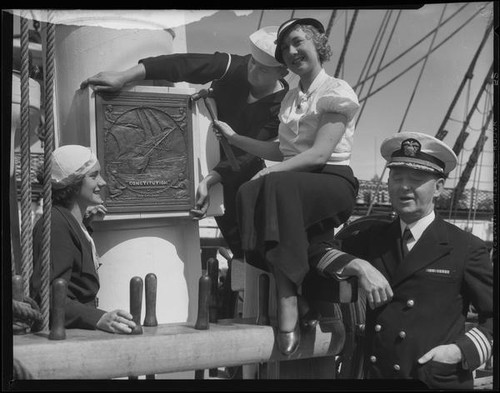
(47, 191)
(346, 43)
(389, 39)
(419, 60)
(260, 20)
(26, 223)
(422, 70)
(490, 102)
(369, 58)
(330, 23)
(411, 99)
(459, 143)
(468, 75)
(26, 311)
(409, 49)
(452, 207)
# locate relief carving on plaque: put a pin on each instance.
(144, 143)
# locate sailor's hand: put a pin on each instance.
(202, 201)
(222, 129)
(116, 321)
(108, 81)
(450, 354)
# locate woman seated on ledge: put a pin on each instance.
(76, 200)
(313, 189)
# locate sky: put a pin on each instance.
(228, 31)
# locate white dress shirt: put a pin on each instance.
(417, 228)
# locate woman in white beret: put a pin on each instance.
(76, 200)
(288, 211)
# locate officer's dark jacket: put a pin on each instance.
(71, 259)
(258, 120)
(445, 271)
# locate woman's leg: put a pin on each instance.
(286, 292)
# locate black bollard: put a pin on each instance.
(213, 273)
(202, 322)
(150, 289)
(18, 295)
(150, 318)
(263, 317)
(17, 288)
(57, 314)
(136, 303)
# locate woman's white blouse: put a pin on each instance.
(300, 114)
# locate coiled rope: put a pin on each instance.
(25, 314)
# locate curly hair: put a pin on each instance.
(63, 196)
(320, 41)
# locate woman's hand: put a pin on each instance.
(94, 213)
(116, 321)
(261, 173)
(223, 129)
(202, 201)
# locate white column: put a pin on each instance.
(129, 246)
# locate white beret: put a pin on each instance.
(69, 162)
(263, 46)
(418, 151)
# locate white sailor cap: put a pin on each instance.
(418, 151)
(69, 162)
(263, 46)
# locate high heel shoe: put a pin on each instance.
(288, 342)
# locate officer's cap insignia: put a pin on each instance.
(410, 147)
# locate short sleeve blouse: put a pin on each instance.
(300, 114)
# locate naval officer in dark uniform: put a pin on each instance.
(423, 273)
(247, 90)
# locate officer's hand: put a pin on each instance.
(377, 288)
(202, 202)
(450, 354)
(108, 81)
(223, 129)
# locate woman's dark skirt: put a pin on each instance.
(279, 212)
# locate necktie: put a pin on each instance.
(407, 236)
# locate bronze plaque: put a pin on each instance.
(145, 147)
